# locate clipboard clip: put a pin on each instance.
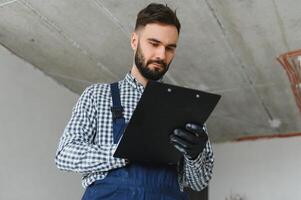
(117, 112)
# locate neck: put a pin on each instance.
(137, 75)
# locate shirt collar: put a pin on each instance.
(133, 82)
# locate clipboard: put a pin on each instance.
(161, 109)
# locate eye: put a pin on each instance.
(154, 44)
(171, 49)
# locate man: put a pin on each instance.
(90, 138)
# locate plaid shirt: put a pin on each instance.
(87, 146)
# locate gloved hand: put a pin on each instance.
(189, 141)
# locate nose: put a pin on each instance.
(160, 53)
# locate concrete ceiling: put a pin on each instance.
(226, 46)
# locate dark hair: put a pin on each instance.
(157, 13)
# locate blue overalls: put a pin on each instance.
(135, 181)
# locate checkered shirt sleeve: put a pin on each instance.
(77, 150)
(197, 173)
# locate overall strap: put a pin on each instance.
(117, 113)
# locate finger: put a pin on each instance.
(190, 137)
(181, 141)
(181, 149)
(195, 128)
(188, 146)
(190, 153)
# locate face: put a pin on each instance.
(154, 46)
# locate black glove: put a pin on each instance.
(189, 141)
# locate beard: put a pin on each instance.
(148, 73)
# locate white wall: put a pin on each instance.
(33, 113)
(257, 170)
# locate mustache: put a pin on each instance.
(160, 62)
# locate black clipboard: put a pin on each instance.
(161, 109)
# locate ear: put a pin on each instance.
(134, 40)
